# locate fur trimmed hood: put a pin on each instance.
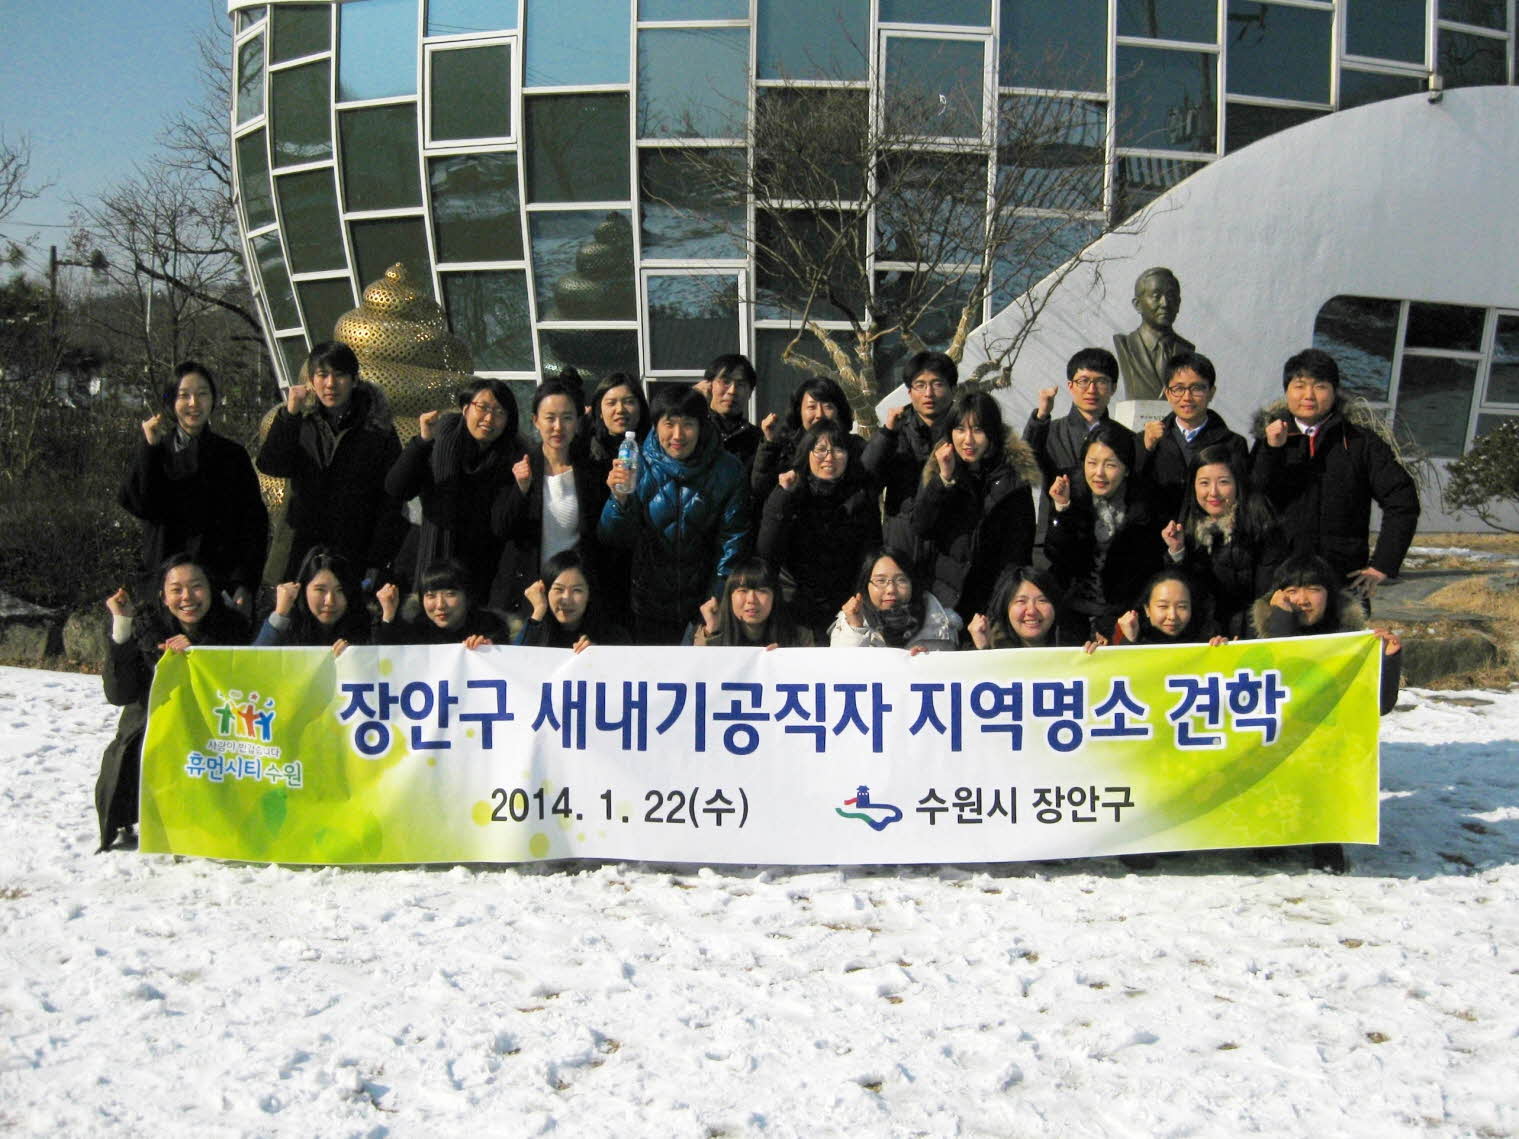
(1352, 616)
(1017, 456)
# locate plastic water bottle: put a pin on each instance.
(627, 455)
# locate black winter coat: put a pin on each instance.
(1165, 468)
(1324, 498)
(817, 534)
(1266, 620)
(1135, 552)
(1057, 443)
(1231, 570)
(214, 512)
(518, 519)
(978, 527)
(459, 485)
(337, 480)
(740, 438)
(421, 631)
(894, 458)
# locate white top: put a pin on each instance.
(561, 515)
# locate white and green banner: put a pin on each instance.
(803, 756)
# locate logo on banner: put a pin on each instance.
(242, 717)
(877, 816)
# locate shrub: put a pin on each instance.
(1487, 477)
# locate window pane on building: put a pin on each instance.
(1486, 423)
(377, 49)
(250, 79)
(693, 9)
(692, 82)
(1386, 29)
(299, 29)
(1503, 378)
(970, 13)
(253, 177)
(778, 379)
(1357, 88)
(476, 208)
(1059, 47)
(309, 207)
(1457, 328)
(323, 302)
(380, 243)
(247, 17)
(1166, 100)
(1245, 123)
(583, 265)
(457, 17)
(904, 292)
(1138, 181)
(1051, 152)
(812, 39)
(692, 320)
(1195, 21)
(1036, 247)
(577, 148)
(380, 157)
(276, 279)
(1361, 333)
(471, 93)
(489, 312)
(595, 352)
(831, 264)
(1435, 401)
(934, 87)
(299, 115)
(293, 352)
(930, 207)
(1278, 51)
(811, 143)
(1482, 13)
(575, 43)
(687, 207)
(1466, 60)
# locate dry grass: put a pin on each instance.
(1498, 613)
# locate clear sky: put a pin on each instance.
(92, 82)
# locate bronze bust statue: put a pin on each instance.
(1142, 354)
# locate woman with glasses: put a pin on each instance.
(816, 399)
(819, 522)
(890, 610)
(975, 511)
(553, 501)
(459, 464)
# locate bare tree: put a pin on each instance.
(879, 230)
(16, 185)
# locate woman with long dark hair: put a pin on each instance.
(751, 613)
(1226, 538)
(1023, 613)
(816, 399)
(195, 491)
(974, 513)
(816, 529)
(567, 610)
(891, 610)
(553, 501)
(323, 606)
(1104, 536)
(1168, 612)
(458, 464)
(447, 614)
(188, 612)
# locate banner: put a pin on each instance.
(802, 756)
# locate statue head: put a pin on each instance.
(1157, 298)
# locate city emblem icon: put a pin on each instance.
(877, 816)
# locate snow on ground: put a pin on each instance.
(1215, 995)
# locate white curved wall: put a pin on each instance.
(1403, 199)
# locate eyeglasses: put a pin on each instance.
(824, 450)
(928, 385)
(900, 583)
(1179, 390)
(1082, 383)
(489, 410)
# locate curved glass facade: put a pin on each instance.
(531, 160)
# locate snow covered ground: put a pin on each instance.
(1215, 995)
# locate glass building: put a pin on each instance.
(527, 159)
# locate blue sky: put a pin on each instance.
(92, 82)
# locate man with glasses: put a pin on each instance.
(895, 455)
(1170, 443)
(1090, 376)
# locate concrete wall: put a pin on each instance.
(1403, 199)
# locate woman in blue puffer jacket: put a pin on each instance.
(686, 519)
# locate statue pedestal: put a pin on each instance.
(1135, 413)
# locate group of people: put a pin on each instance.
(676, 520)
